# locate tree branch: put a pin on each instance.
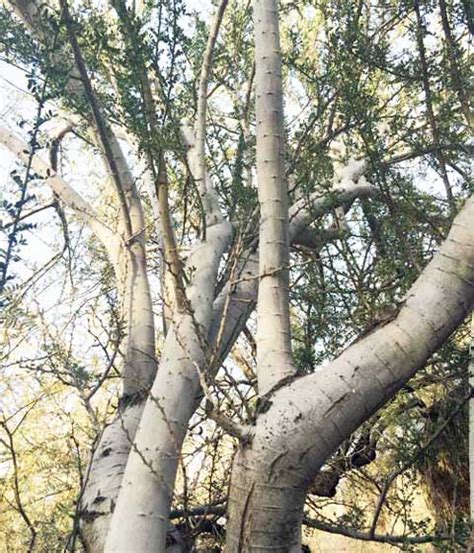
(101, 125)
(242, 432)
(209, 199)
(331, 403)
(366, 536)
(155, 155)
(274, 356)
(405, 466)
(60, 187)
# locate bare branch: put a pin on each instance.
(242, 432)
(209, 200)
(60, 187)
(101, 125)
(366, 536)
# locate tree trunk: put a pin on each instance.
(140, 519)
(274, 358)
(306, 420)
(265, 507)
(105, 476)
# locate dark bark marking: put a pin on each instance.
(335, 404)
(244, 519)
(129, 400)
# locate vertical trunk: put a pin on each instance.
(107, 464)
(208, 197)
(137, 312)
(274, 357)
(265, 506)
(265, 509)
(105, 476)
(139, 366)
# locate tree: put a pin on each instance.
(126, 77)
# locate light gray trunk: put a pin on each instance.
(111, 455)
(274, 358)
(139, 368)
(140, 519)
(265, 510)
(105, 476)
(309, 418)
(230, 314)
(137, 311)
(129, 262)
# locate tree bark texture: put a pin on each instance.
(140, 520)
(274, 358)
(309, 418)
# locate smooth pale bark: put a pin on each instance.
(73, 86)
(128, 257)
(112, 453)
(231, 310)
(304, 212)
(84, 211)
(140, 366)
(140, 520)
(238, 298)
(105, 476)
(309, 418)
(128, 260)
(139, 343)
(230, 313)
(274, 358)
(195, 161)
(134, 288)
(208, 198)
(138, 347)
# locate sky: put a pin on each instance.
(16, 103)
